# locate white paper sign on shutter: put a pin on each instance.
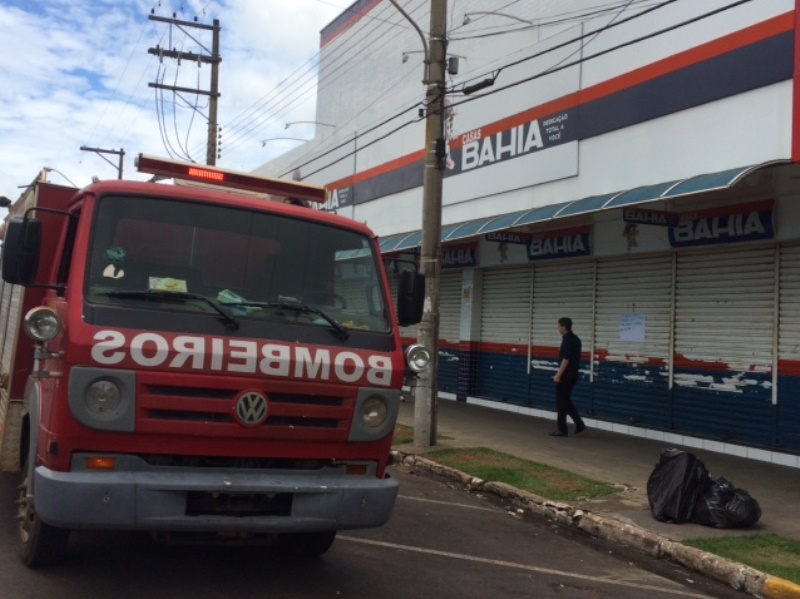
(633, 311)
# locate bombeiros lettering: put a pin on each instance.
(240, 356)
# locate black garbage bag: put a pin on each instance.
(675, 484)
(724, 506)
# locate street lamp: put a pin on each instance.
(48, 169)
(405, 54)
(468, 20)
(264, 141)
(5, 202)
(287, 125)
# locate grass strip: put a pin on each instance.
(770, 553)
(546, 481)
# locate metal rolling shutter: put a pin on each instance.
(450, 307)
(631, 380)
(449, 330)
(559, 290)
(505, 322)
(505, 312)
(725, 304)
(788, 432)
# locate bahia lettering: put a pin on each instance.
(650, 217)
(459, 257)
(339, 198)
(152, 350)
(509, 237)
(727, 228)
(561, 246)
(522, 139)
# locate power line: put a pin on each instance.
(579, 38)
(213, 59)
(347, 142)
(556, 19)
(281, 100)
(356, 47)
(606, 51)
(531, 78)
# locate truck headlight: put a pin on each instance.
(103, 397)
(42, 324)
(374, 412)
(418, 357)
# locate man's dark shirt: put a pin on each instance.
(570, 350)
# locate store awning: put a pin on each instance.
(662, 191)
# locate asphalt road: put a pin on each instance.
(441, 542)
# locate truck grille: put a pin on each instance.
(180, 409)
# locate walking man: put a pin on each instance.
(569, 357)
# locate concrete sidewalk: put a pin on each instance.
(626, 461)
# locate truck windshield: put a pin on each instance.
(225, 261)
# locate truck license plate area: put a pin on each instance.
(204, 503)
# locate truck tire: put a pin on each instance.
(306, 544)
(38, 544)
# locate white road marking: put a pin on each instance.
(493, 562)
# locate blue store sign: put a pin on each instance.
(460, 256)
(569, 243)
(747, 222)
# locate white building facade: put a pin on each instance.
(633, 166)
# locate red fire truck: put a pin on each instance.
(198, 361)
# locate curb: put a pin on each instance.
(733, 574)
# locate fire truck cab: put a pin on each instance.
(205, 361)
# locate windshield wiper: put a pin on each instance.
(342, 332)
(229, 319)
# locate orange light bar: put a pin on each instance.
(231, 179)
(101, 463)
(204, 173)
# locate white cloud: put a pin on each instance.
(80, 71)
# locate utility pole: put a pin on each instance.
(100, 152)
(431, 249)
(213, 59)
(211, 152)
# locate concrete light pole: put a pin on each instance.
(426, 392)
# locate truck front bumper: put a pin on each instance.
(155, 499)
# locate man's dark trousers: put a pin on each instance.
(564, 404)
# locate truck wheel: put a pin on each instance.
(38, 544)
(306, 544)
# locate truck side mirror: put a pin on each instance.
(410, 298)
(21, 249)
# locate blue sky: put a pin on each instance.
(76, 72)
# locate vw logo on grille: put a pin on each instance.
(251, 408)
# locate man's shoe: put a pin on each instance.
(580, 429)
(558, 434)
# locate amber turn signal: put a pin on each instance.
(356, 470)
(101, 463)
